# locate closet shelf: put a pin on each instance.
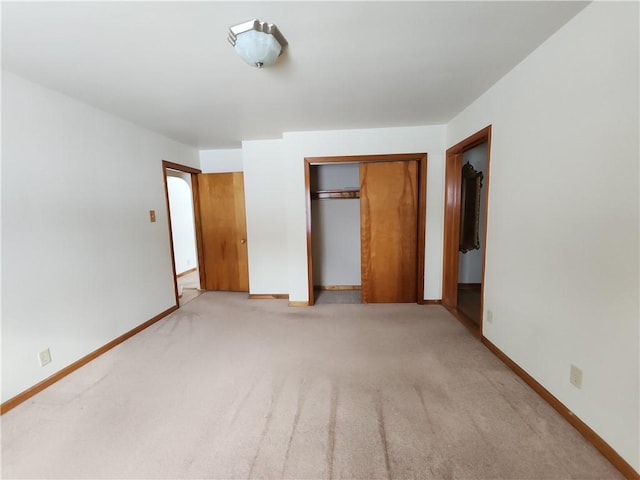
(319, 194)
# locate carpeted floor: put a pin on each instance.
(234, 388)
(329, 297)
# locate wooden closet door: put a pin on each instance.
(224, 231)
(389, 231)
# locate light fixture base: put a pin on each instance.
(258, 43)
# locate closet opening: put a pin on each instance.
(335, 216)
(365, 228)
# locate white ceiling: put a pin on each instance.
(167, 65)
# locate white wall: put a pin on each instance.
(265, 203)
(562, 247)
(182, 222)
(470, 263)
(81, 263)
(275, 200)
(336, 241)
(222, 160)
(335, 176)
(298, 145)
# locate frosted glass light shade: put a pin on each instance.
(258, 49)
(258, 43)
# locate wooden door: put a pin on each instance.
(389, 231)
(451, 250)
(224, 231)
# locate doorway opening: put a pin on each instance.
(181, 190)
(465, 224)
(390, 194)
(183, 235)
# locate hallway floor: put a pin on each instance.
(469, 302)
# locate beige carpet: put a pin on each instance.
(234, 388)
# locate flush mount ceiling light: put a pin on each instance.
(258, 43)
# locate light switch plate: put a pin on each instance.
(152, 215)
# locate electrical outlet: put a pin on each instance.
(45, 357)
(575, 376)
(489, 316)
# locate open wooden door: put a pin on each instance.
(451, 230)
(389, 231)
(224, 231)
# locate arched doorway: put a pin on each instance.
(183, 235)
(181, 187)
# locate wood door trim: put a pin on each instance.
(421, 158)
(195, 187)
(181, 168)
(307, 206)
(389, 157)
(487, 181)
(173, 253)
(478, 138)
(422, 225)
(453, 178)
(196, 217)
